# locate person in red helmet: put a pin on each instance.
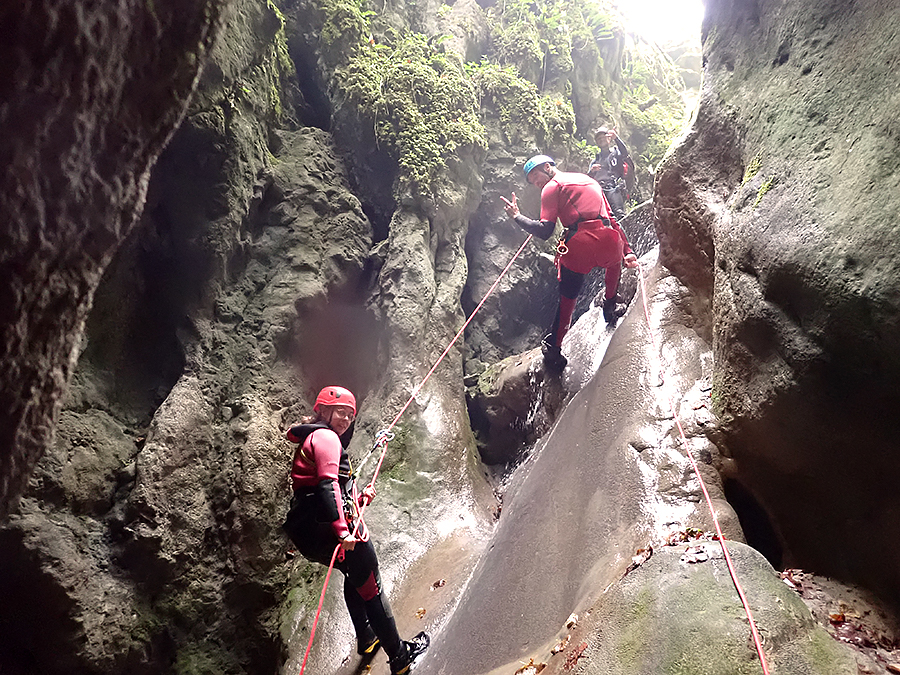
(324, 513)
(592, 238)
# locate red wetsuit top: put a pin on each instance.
(594, 239)
(320, 461)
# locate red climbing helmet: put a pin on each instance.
(335, 396)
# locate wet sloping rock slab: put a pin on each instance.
(608, 478)
(674, 616)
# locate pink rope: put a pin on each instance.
(383, 442)
(319, 609)
(737, 584)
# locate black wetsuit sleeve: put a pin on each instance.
(539, 228)
(329, 497)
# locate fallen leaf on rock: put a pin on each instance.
(572, 621)
(531, 668)
(792, 577)
(788, 578)
(562, 644)
(695, 554)
(836, 618)
(438, 584)
(420, 613)
(687, 534)
(641, 556)
(574, 656)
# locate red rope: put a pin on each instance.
(319, 609)
(383, 441)
(737, 584)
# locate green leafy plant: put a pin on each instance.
(421, 103)
(523, 111)
(752, 168)
(763, 189)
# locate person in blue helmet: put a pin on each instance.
(592, 238)
(324, 514)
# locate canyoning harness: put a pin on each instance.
(567, 233)
(318, 497)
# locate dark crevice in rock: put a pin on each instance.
(36, 614)
(372, 171)
(140, 315)
(755, 522)
(316, 107)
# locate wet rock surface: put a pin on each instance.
(513, 403)
(675, 612)
(780, 208)
(274, 258)
(609, 478)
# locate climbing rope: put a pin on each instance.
(721, 537)
(383, 436)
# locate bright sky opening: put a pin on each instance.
(664, 21)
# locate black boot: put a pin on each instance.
(554, 361)
(382, 621)
(367, 644)
(410, 650)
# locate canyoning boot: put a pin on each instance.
(367, 644)
(367, 640)
(554, 361)
(410, 650)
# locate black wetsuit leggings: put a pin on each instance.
(615, 197)
(569, 287)
(369, 609)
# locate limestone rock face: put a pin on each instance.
(780, 207)
(166, 486)
(69, 198)
(671, 611)
(149, 532)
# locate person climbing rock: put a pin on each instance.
(592, 238)
(610, 168)
(324, 514)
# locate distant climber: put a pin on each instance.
(323, 513)
(613, 168)
(592, 238)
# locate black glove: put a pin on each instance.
(609, 311)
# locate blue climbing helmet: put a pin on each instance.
(537, 160)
